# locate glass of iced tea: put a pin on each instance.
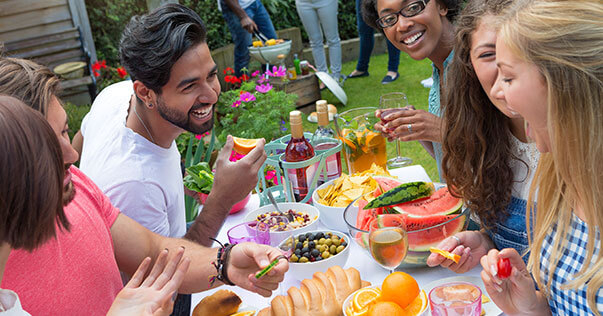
(388, 241)
(456, 299)
(362, 144)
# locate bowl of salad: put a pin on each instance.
(305, 219)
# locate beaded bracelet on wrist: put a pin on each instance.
(221, 263)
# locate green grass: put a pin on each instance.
(365, 91)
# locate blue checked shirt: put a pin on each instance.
(570, 301)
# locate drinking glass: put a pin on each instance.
(256, 232)
(456, 299)
(391, 102)
(388, 241)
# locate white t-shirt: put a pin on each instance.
(242, 3)
(142, 179)
(11, 306)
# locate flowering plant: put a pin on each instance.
(107, 75)
(255, 108)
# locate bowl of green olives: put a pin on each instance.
(317, 251)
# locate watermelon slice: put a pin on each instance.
(428, 231)
(440, 202)
(385, 184)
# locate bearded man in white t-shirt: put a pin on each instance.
(129, 147)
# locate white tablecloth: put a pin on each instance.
(359, 258)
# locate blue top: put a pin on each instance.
(511, 233)
(569, 301)
(434, 107)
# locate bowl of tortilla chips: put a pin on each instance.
(332, 197)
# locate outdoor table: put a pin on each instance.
(358, 258)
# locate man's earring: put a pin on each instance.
(150, 105)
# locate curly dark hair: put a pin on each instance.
(151, 44)
(370, 14)
(477, 142)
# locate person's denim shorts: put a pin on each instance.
(511, 232)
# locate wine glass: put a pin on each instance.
(388, 241)
(392, 102)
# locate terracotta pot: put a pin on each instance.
(235, 208)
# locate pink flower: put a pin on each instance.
(263, 78)
(263, 88)
(271, 176)
(199, 137)
(247, 97)
(236, 104)
(255, 73)
(235, 156)
(277, 72)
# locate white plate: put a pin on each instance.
(490, 308)
(332, 85)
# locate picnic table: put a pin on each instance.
(358, 258)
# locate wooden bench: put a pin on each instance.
(54, 49)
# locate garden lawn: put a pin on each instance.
(365, 91)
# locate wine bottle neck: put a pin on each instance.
(297, 131)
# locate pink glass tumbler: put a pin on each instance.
(256, 232)
(456, 299)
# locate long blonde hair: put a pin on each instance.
(564, 39)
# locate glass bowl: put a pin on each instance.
(419, 240)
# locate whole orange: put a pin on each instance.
(400, 288)
(385, 308)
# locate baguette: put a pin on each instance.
(323, 295)
(221, 303)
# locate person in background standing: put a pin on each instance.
(318, 17)
(243, 17)
(367, 42)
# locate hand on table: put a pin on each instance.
(423, 125)
(247, 259)
(516, 294)
(472, 246)
(154, 294)
(248, 24)
(234, 180)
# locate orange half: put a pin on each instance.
(417, 306)
(365, 297)
(445, 254)
(244, 145)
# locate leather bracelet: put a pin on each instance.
(226, 260)
(221, 263)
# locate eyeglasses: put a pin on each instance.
(407, 12)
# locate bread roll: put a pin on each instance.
(323, 295)
(331, 109)
(221, 303)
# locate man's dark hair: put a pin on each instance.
(370, 14)
(152, 43)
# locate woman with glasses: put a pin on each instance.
(422, 29)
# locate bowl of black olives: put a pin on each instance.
(317, 251)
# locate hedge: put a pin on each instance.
(109, 17)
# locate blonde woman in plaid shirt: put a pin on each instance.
(550, 59)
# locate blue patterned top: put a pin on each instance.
(570, 301)
(434, 107)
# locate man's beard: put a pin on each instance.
(182, 120)
(68, 190)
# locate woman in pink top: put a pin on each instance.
(31, 210)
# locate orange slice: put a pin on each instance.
(364, 297)
(245, 313)
(244, 145)
(445, 254)
(417, 306)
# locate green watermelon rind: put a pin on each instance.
(405, 192)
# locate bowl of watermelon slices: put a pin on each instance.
(429, 211)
